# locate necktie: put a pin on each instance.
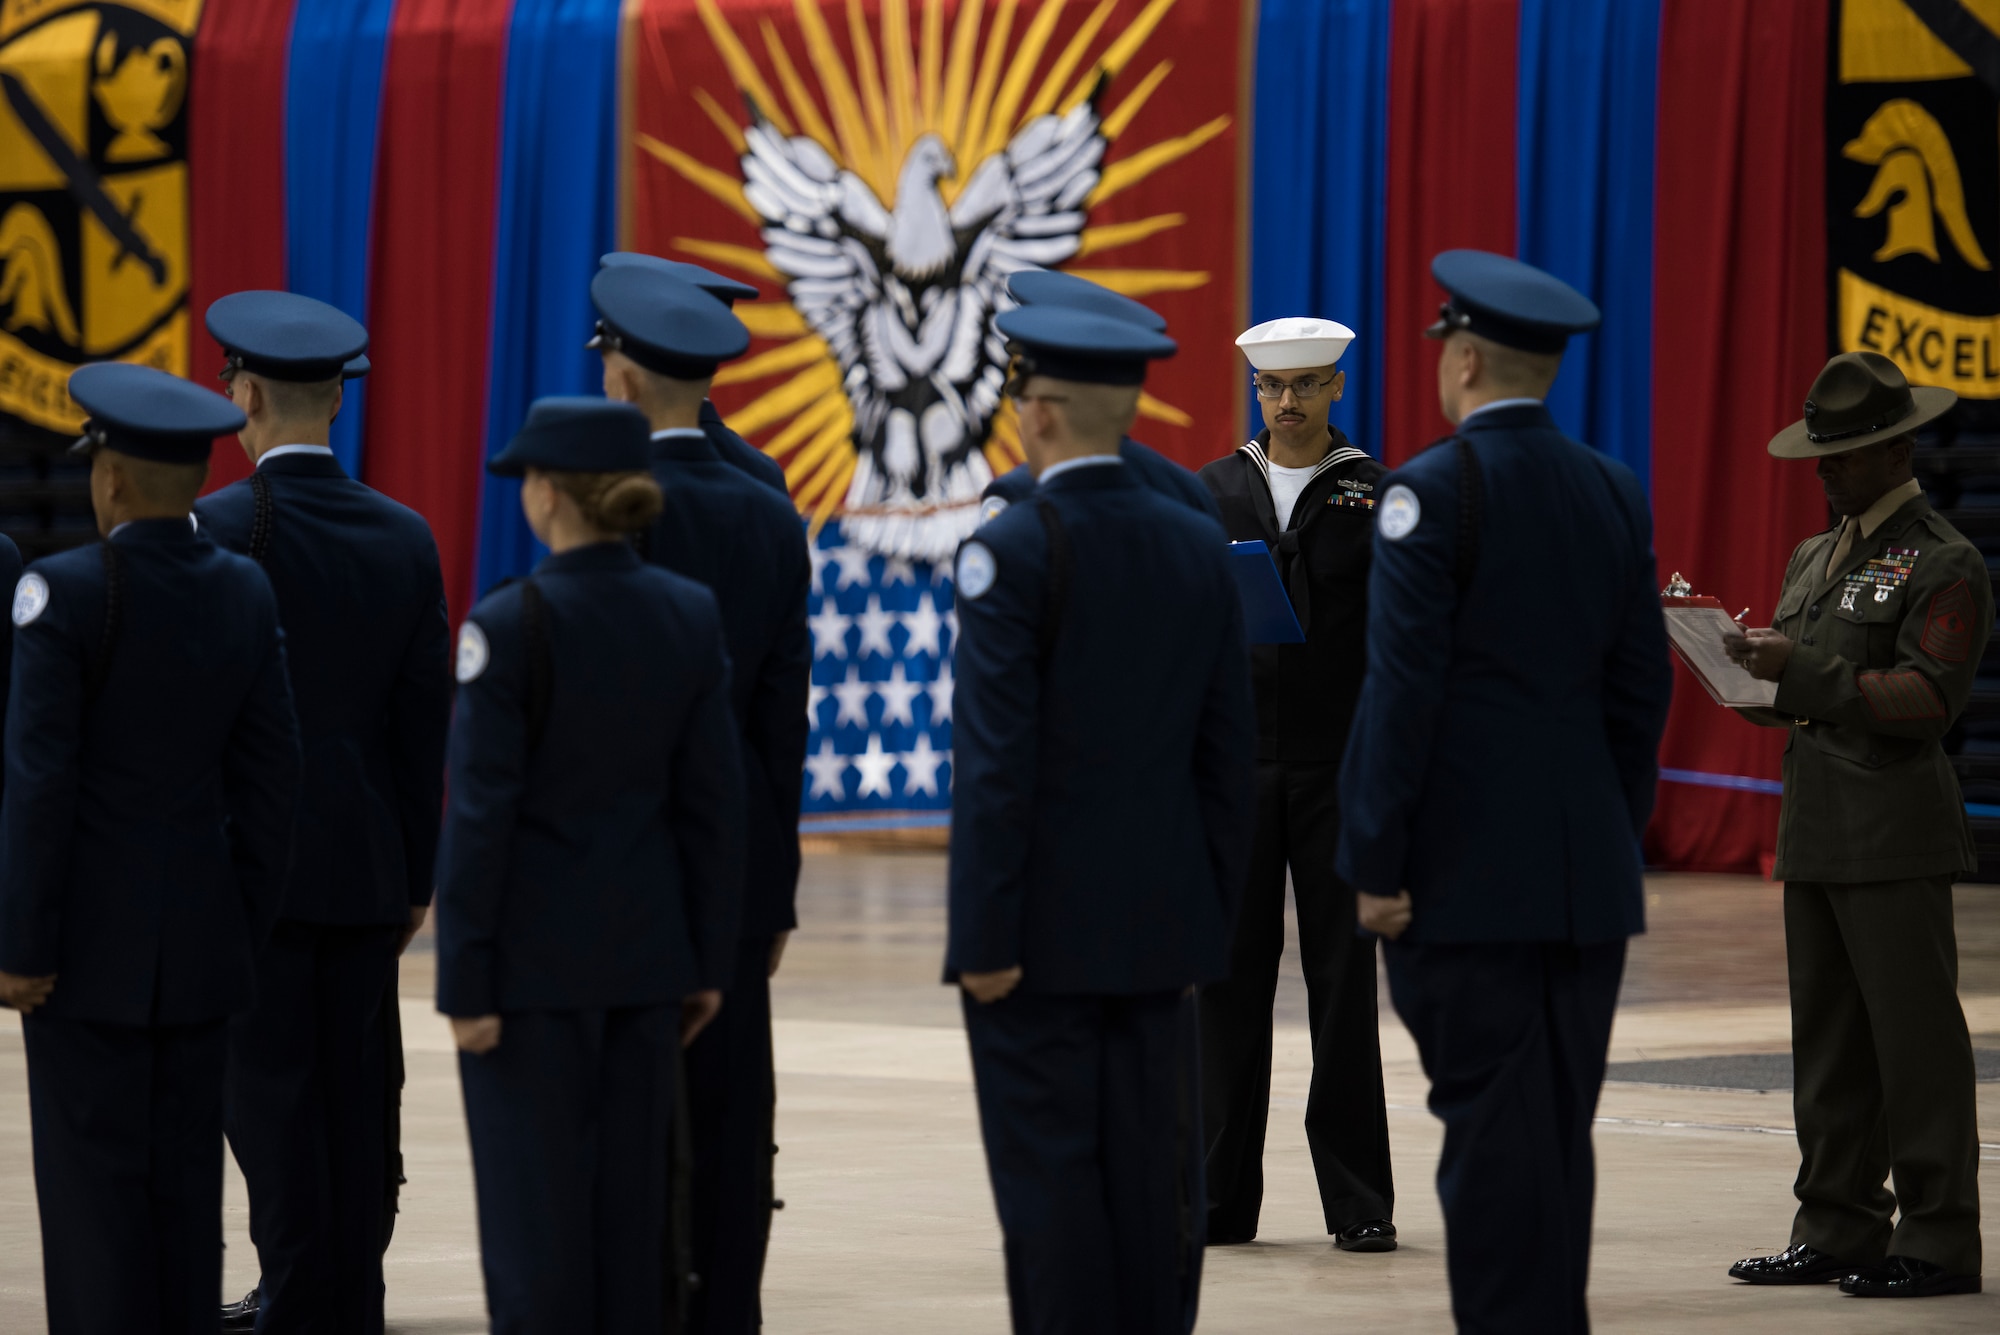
(1849, 527)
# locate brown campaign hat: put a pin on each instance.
(1858, 398)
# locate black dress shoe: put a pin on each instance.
(1797, 1264)
(1372, 1235)
(1223, 1238)
(1907, 1277)
(241, 1315)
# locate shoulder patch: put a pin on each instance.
(991, 509)
(473, 654)
(31, 598)
(976, 570)
(1400, 513)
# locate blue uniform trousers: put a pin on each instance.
(731, 1102)
(128, 1173)
(1090, 1107)
(570, 1119)
(305, 1094)
(1513, 1037)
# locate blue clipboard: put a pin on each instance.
(1267, 610)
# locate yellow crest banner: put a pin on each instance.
(93, 194)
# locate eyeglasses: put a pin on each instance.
(1304, 388)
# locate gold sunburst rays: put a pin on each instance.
(966, 77)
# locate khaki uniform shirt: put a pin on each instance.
(1884, 650)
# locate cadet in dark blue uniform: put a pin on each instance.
(1105, 789)
(662, 340)
(152, 764)
(588, 883)
(362, 601)
(734, 450)
(1049, 287)
(1498, 778)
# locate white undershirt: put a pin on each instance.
(1286, 484)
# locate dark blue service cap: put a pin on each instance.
(146, 413)
(1083, 346)
(1514, 304)
(1047, 287)
(575, 435)
(664, 323)
(357, 366)
(286, 336)
(725, 290)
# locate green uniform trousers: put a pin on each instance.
(1884, 1074)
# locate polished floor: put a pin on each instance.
(888, 1225)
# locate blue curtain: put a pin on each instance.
(1589, 80)
(1320, 191)
(558, 211)
(333, 101)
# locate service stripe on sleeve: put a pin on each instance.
(1900, 697)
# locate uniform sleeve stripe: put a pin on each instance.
(1900, 697)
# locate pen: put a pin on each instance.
(1739, 618)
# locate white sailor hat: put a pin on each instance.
(1294, 343)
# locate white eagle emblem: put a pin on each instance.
(905, 299)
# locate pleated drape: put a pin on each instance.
(333, 98)
(558, 212)
(1739, 330)
(1318, 206)
(432, 289)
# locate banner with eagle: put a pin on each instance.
(1740, 187)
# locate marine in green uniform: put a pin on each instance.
(1878, 631)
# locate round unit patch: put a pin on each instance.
(991, 508)
(31, 598)
(976, 569)
(472, 652)
(1400, 513)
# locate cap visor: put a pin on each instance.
(1438, 329)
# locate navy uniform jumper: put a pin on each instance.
(362, 600)
(1103, 807)
(1501, 769)
(588, 880)
(746, 544)
(147, 827)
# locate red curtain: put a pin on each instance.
(236, 174)
(1451, 183)
(1739, 332)
(431, 287)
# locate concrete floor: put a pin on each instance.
(889, 1225)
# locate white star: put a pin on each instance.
(829, 631)
(920, 767)
(873, 765)
(853, 563)
(819, 560)
(828, 772)
(815, 697)
(897, 695)
(853, 696)
(923, 625)
(940, 692)
(897, 570)
(875, 627)
(951, 624)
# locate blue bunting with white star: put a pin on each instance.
(883, 632)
